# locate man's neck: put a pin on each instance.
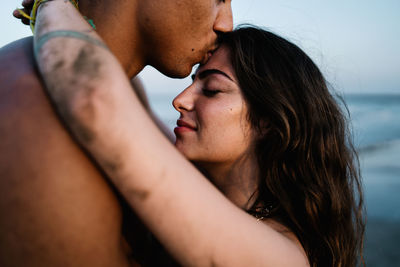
(115, 23)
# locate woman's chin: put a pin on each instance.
(183, 149)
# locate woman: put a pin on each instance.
(258, 121)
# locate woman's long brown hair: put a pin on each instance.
(308, 166)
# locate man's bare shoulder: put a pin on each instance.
(17, 55)
(56, 209)
(19, 80)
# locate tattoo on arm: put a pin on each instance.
(70, 34)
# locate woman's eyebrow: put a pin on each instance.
(203, 74)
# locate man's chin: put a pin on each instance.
(178, 71)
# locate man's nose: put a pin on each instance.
(224, 20)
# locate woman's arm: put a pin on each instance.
(194, 221)
(140, 92)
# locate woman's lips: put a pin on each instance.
(184, 127)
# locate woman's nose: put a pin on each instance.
(184, 101)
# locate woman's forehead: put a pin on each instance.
(219, 63)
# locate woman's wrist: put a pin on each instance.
(31, 10)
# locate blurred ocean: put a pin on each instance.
(376, 125)
(375, 122)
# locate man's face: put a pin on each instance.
(181, 33)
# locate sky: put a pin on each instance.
(356, 43)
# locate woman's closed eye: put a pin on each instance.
(210, 92)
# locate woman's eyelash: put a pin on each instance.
(210, 93)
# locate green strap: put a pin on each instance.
(71, 34)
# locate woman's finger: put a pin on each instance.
(25, 21)
(16, 14)
(27, 3)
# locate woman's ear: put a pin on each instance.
(264, 127)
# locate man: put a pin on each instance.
(56, 207)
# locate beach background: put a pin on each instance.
(357, 46)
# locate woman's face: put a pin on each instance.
(213, 125)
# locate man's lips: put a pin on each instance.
(184, 126)
(208, 55)
(205, 59)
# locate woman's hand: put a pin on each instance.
(27, 8)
